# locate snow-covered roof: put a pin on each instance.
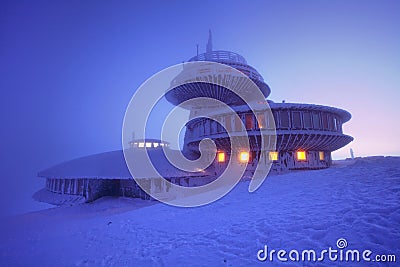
(220, 56)
(112, 165)
(344, 115)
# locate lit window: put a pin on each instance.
(148, 144)
(161, 144)
(321, 155)
(244, 156)
(261, 121)
(141, 144)
(301, 155)
(155, 144)
(221, 157)
(273, 155)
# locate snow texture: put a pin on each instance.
(356, 200)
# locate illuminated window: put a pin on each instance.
(221, 157)
(273, 155)
(141, 144)
(244, 156)
(148, 144)
(155, 144)
(321, 155)
(301, 155)
(261, 123)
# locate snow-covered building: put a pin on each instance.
(106, 174)
(306, 134)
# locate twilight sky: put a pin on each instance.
(69, 68)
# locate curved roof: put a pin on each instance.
(232, 59)
(103, 165)
(208, 79)
(344, 115)
(112, 165)
(220, 56)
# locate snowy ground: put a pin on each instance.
(303, 210)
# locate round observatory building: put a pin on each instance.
(306, 134)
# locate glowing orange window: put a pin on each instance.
(221, 157)
(301, 155)
(321, 155)
(273, 155)
(261, 123)
(244, 156)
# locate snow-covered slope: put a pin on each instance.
(359, 202)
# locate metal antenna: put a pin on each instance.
(209, 43)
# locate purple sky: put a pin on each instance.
(69, 68)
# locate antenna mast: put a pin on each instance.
(209, 43)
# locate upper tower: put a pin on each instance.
(180, 93)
